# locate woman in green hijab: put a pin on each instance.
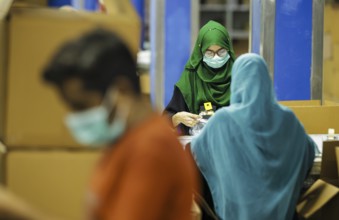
(206, 77)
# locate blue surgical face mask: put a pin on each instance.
(216, 62)
(92, 127)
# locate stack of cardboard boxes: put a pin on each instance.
(320, 202)
(43, 164)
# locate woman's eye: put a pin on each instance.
(222, 52)
(209, 54)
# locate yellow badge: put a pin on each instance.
(208, 106)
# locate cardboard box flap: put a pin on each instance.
(329, 169)
(5, 5)
(315, 198)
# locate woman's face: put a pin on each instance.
(215, 49)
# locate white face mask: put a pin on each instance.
(216, 62)
(92, 127)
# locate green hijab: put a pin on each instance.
(200, 83)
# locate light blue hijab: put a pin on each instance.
(254, 153)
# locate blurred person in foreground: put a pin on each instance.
(254, 154)
(143, 172)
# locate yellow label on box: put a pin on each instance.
(208, 106)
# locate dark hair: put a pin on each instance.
(97, 59)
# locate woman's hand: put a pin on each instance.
(185, 118)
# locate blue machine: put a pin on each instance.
(89, 5)
(283, 33)
(59, 3)
(293, 49)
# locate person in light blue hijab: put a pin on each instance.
(255, 153)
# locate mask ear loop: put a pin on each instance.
(122, 111)
(109, 99)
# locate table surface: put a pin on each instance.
(317, 138)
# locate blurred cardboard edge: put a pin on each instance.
(14, 207)
(5, 5)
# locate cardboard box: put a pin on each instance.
(333, 20)
(331, 89)
(327, 51)
(34, 113)
(300, 103)
(321, 201)
(55, 182)
(335, 48)
(317, 119)
(328, 71)
(329, 169)
(328, 18)
(330, 103)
